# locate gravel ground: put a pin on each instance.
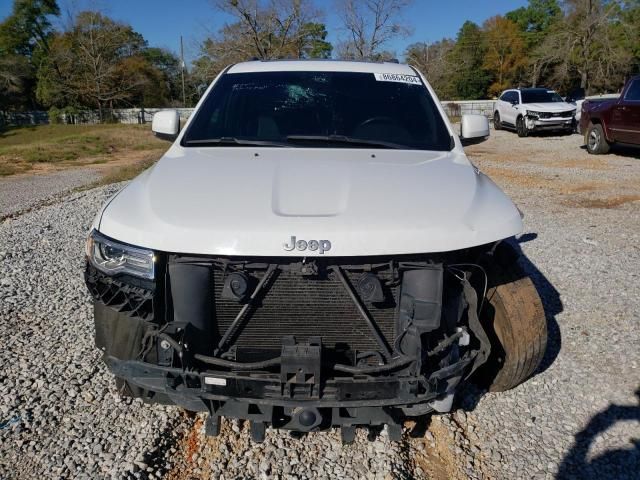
(60, 416)
(21, 192)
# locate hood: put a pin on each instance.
(550, 106)
(252, 201)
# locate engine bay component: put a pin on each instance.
(236, 286)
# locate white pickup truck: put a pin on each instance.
(313, 250)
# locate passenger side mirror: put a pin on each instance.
(166, 124)
(474, 129)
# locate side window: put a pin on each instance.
(633, 93)
(511, 97)
(516, 97)
(505, 97)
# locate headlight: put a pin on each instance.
(112, 257)
(532, 113)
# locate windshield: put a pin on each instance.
(319, 109)
(540, 96)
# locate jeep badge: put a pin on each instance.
(320, 246)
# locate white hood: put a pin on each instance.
(550, 107)
(251, 201)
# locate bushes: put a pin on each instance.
(66, 115)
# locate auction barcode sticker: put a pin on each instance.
(396, 77)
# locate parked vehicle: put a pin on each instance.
(527, 110)
(576, 98)
(613, 121)
(314, 249)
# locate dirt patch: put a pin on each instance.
(521, 179)
(427, 457)
(606, 202)
(581, 163)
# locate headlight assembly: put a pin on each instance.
(112, 257)
(532, 113)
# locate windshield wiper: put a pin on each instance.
(348, 140)
(233, 141)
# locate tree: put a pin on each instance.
(535, 22)
(264, 30)
(277, 29)
(99, 62)
(24, 39)
(586, 46)
(432, 59)
(536, 19)
(311, 42)
(469, 80)
(168, 69)
(505, 53)
(370, 25)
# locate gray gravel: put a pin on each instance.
(21, 192)
(579, 417)
(60, 416)
(59, 412)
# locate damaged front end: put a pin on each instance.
(298, 343)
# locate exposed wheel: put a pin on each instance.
(521, 127)
(515, 322)
(595, 140)
(497, 124)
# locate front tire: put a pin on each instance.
(595, 140)
(497, 124)
(521, 127)
(516, 324)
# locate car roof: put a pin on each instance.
(321, 66)
(536, 89)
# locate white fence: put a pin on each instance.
(455, 109)
(144, 115)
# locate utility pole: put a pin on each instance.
(184, 98)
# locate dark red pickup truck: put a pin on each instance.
(612, 121)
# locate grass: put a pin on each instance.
(125, 172)
(54, 147)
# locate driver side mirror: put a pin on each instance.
(166, 124)
(474, 129)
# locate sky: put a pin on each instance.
(162, 22)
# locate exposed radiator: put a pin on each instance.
(304, 307)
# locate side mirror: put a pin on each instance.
(474, 129)
(166, 124)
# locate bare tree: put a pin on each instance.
(583, 44)
(266, 30)
(432, 59)
(369, 25)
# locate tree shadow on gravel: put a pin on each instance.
(622, 463)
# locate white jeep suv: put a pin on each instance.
(527, 110)
(313, 250)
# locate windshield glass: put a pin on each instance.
(320, 109)
(540, 96)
